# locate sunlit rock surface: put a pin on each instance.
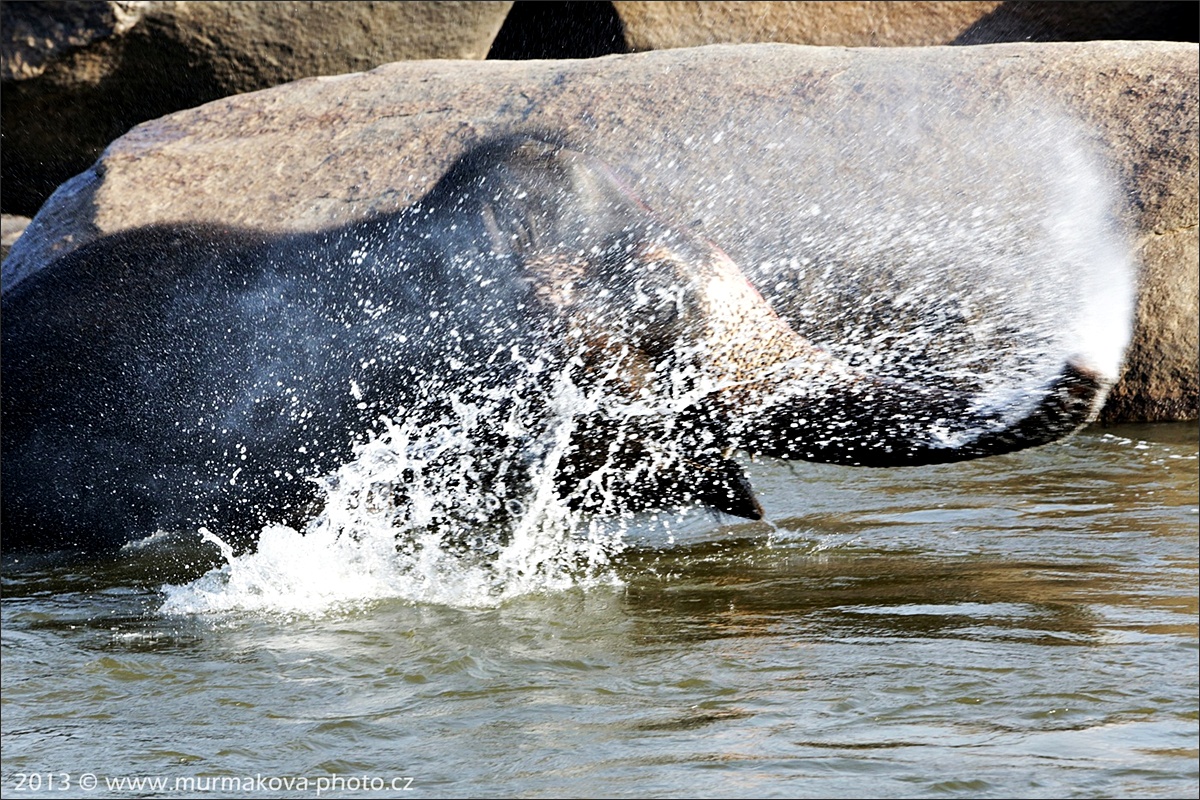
(11, 228)
(863, 23)
(77, 75)
(784, 156)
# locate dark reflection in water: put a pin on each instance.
(823, 598)
(1025, 625)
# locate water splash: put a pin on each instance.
(425, 513)
(657, 356)
(979, 249)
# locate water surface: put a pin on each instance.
(1021, 625)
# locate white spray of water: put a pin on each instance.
(927, 232)
(424, 513)
(988, 269)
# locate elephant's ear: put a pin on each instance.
(834, 414)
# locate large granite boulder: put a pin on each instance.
(864, 23)
(77, 75)
(867, 191)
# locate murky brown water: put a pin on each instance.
(1023, 625)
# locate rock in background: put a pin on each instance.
(11, 228)
(788, 157)
(863, 23)
(78, 75)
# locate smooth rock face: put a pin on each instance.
(1160, 381)
(836, 178)
(11, 228)
(659, 25)
(78, 75)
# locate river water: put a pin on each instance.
(1024, 625)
